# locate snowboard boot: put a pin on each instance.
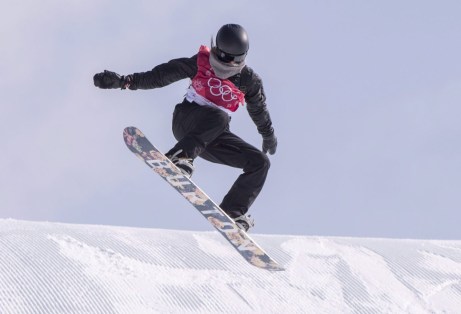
(244, 222)
(185, 165)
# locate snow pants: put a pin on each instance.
(204, 131)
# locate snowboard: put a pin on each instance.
(160, 164)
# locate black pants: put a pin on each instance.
(204, 131)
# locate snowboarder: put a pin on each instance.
(221, 83)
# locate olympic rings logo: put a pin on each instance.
(217, 89)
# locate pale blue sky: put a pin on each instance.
(364, 95)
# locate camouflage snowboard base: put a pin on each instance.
(141, 147)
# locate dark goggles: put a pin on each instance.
(228, 58)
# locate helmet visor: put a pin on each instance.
(229, 58)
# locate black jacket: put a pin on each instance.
(247, 81)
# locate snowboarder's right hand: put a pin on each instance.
(108, 79)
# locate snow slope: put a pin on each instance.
(63, 268)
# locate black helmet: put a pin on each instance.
(232, 43)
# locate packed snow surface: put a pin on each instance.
(63, 268)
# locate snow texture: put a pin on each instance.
(63, 268)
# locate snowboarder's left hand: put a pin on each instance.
(270, 144)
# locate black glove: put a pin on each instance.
(108, 79)
(270, 144)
